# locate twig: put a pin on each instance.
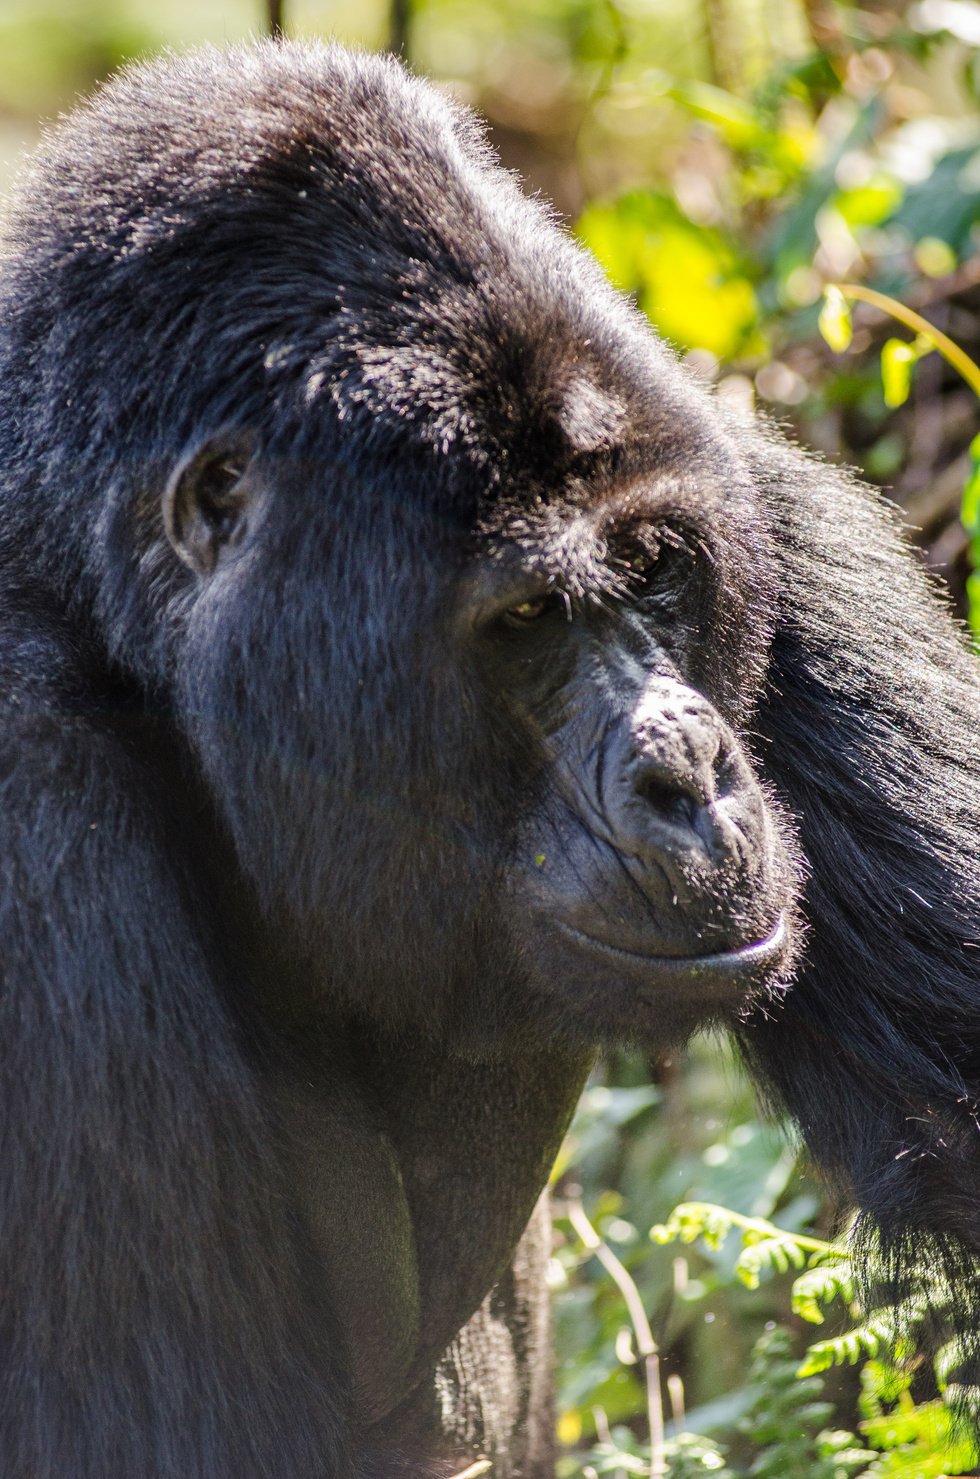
(675, 1391)
(646, 1346)
(602, 1428)
(950, 351)
(724, 52)
(277, 24)
(400, 28)
(825, 33)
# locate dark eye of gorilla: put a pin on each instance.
(533, 609)
(636, 549)
(656, 565)
(308, 944)
(652, 565)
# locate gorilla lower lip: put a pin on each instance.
(745, 958)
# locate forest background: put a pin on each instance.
(726, 160)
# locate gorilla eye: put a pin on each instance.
(655, 564)
(637, 551)
(534, 608)
(527, 611)
(641, 560)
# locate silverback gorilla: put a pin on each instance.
(411, 683)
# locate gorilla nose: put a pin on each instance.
(678, 766)
(675, 798)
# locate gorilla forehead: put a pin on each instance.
(346, 253)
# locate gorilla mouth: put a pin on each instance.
(744, 960)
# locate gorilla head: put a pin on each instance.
(452, 690)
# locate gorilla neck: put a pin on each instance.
(412, 1174)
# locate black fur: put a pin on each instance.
(411, 682)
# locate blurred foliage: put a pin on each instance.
(899, 358)
(726, 160)
(780, 1419)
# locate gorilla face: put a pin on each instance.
(569, 769)
(649, 883)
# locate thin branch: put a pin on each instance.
(646, 1346)
(277, 24)
(950, 351)
(400, 29)
(675, 1391)
(825, 32)
(724, 53)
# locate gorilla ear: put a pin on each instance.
(207, 500)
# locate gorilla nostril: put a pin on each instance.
(669, 800)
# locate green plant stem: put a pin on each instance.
(951, 353)
(703, 1210)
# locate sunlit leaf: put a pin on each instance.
(686, 278)
(934, 257)
(919, 1442)
(897, 361)
(970, 500)
(570, 1427)
(970, 519)
(961, 18)
(849, 1348)
(835, 320)
(734, 119)
(870, 204)
(973, 604)
(818, 1286)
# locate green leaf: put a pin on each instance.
(846, 1349)
(973, 606)
(934, 257)
(779, 1253)
(897, 360)
(918, 1442)
(835, 320)
(736, 122)
(692, 1220)
(970, 500)
(948, 1361)
(689, 279)
(871, 203)
(818, 1286)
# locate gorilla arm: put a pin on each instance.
(871, 723)
(154, 1318)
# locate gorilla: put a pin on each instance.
(413, 682)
